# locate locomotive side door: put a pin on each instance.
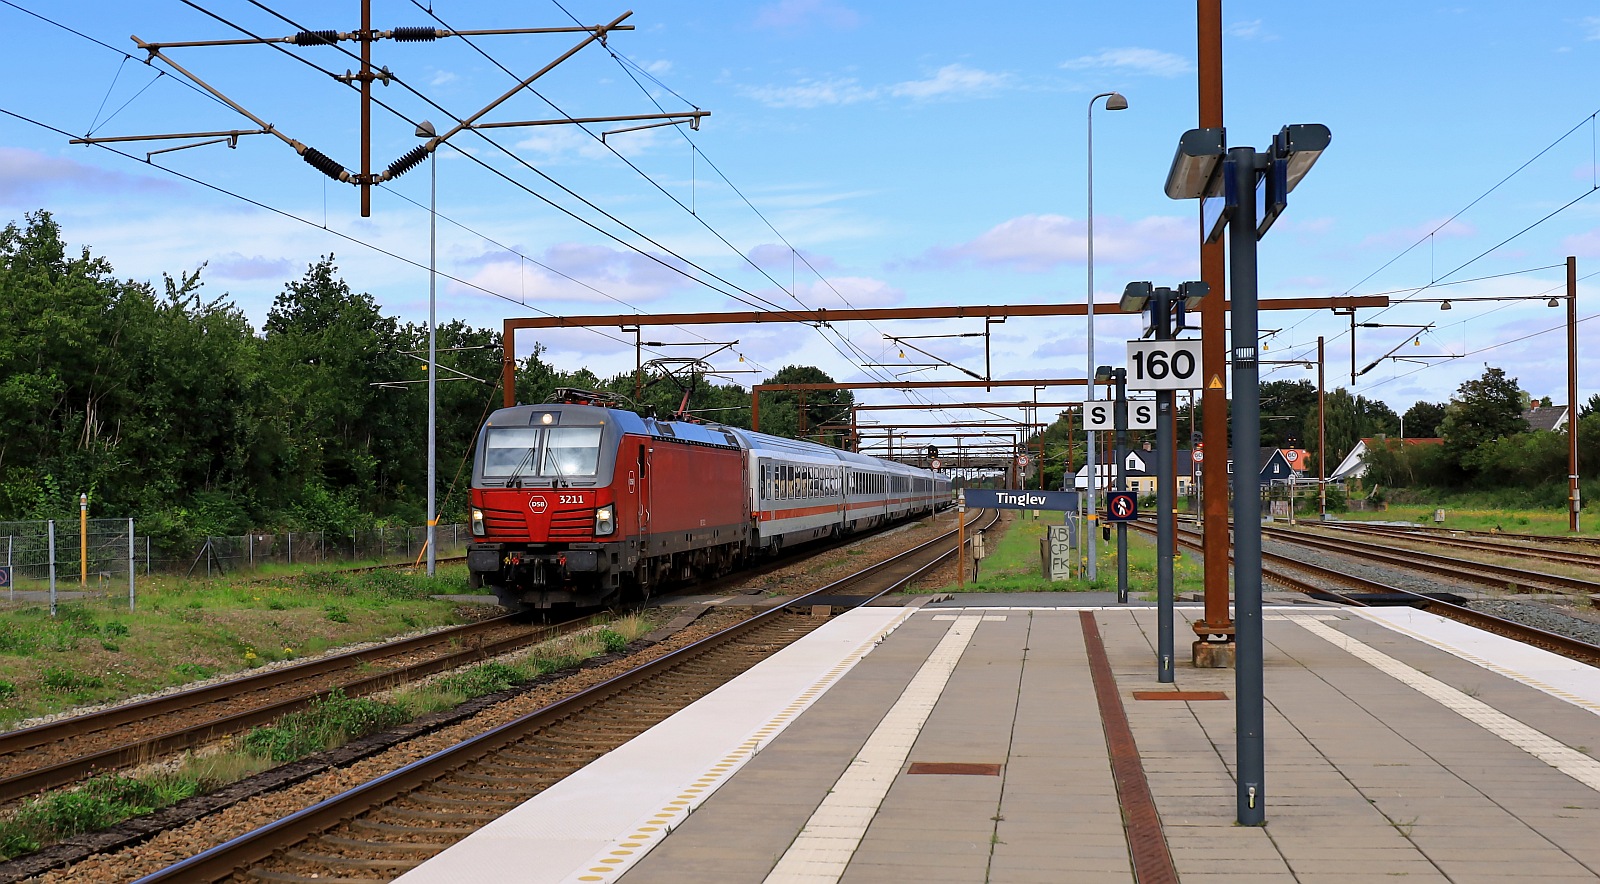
(644, 492)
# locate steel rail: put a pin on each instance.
(1485, 546)
(252, 847)
(1445, 566)
(139, 751)
(27, 738)
(1567, 646)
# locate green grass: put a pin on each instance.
(1014, 564)
(326, 723)
(1470, 513)
(96, 650)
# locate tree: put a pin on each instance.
(781, 412)
(1423, 419)
(326, 348)
(1482, 411)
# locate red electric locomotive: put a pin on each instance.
(575, 503)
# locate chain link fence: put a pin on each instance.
(57, 557)
(98, 555)
(250, 552)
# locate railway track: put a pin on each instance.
(1479, 542)
(1483, 573)
(68, 750)
(1314, 580)
(64, 751)
(378, 830)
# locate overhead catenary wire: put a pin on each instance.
(520, 161)
(160, 74)
(306, 221)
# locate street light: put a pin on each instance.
(425, 130)
(1114, 101)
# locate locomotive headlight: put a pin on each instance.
(605, 520)
(477, 522)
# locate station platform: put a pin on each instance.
(967, 741)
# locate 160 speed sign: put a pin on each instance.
(1164, 365)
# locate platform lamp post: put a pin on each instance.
(1226, 181)
(425, 130)
(1114, 102)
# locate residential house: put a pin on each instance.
(1139, 470)
(1354, 465)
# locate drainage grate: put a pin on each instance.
(1179, 695)
(955, 769)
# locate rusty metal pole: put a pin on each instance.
(1322, 439)
(508, 364)
(755, 409)
(366, 108)
(961, 537)
(1572, 393)
(1213, 362)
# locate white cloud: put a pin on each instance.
(236, 266)
(1153, 62)
(1591, 27)
(660, 66)
(549, 143)
(849, 291)
(950, 81)
(812, 93)
(1586, 243)
(593, 274)
(794, 14)
(1405, 236)
(443, 78)
(25, 175)
(1039, 243)
(1249, 30)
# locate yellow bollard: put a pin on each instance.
(83, 540)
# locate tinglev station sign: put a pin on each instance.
(991, 498)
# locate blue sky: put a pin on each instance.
(913, 154)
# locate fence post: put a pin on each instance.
(52, 526)
(252, 547)
(130, 565)
(9, 539)
(291, 546)
(208, 558)
(147, 555)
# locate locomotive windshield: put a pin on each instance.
(571, 451)
(557, 452)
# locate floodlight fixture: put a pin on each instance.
(1194, 166)
(1102, 374)
(1300, 144)
(1135, 296)
(1294, 150)
(1445, 305)
(1193, 291)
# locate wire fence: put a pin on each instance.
(251, 552)
(106, 554)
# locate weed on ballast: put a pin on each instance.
(324, 724)
(98, 803)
